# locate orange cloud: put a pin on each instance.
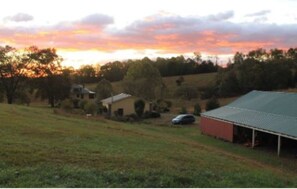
(171, 34)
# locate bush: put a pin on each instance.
(197, 109)
(186, 92)
(211, 104)
(90, 108)
(162, 105)
(82, 104)
(76, 103)
(183, 110)
(139, 107)
(152, 114)
(67, 105)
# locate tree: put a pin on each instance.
(238, 58)
(139, 107)
(212, 103)
(52, 82)
(13, 71)
(86, 74)
(197, 109)
(142, 80)
(103, 89)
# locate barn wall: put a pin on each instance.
(217, 128)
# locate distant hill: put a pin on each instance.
(197, 80)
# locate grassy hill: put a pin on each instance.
(197, 80)
(41, 149)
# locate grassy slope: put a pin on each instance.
(41, 149)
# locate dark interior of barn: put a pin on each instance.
(264, 141)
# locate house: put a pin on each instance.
(269, 117)
(81, 92)
(122, 104)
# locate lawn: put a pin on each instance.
(41, 149)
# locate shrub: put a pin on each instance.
(162, 105)
(90, 108)
(152, 114)
(197, 109)
(211, 104)
(82, 104)
(67, 105)
(75, 103)
(183, 110)
(139, 107)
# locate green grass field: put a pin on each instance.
(41, 149)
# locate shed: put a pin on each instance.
(122, 104)
(273, 113)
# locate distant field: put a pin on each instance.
(42, 149)
(197, 80)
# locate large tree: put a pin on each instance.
(103, 89)
(142, 80)
(52, 82)
(14, 67)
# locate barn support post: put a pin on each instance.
(278, 145)
(253, 139)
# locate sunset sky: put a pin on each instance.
(97, 31)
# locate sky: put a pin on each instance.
(97, 31)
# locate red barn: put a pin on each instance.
(256, 116)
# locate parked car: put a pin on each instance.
(183, 119)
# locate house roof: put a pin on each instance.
(115, 98)
(274, 112)
(80, 89)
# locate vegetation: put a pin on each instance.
(103, 89)
(197, 109)
(258, 70)
(142, 80)
(212, 103)
(139, 107)
(51, 150)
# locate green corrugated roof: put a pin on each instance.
(271, 111)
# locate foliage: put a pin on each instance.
(90, 108)
(162, 105)
(82, 104)
(186, 92)
(139, 106)
(85, 74)
(183, 110)
(14, 67)
(180, 80)
(151, 114)
(51, 81)
(258, 70)
(142, 80)
(197, 109)
(103, 89)
(67, 105)
(212, 103)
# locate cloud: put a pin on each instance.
(20, 17)
(97, 19)
(260, 13)
(213, 34)
(221, 16)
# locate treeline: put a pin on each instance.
(116, 71)
(257, 70)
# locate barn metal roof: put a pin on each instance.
(274, 112)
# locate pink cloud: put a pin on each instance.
(173, 34)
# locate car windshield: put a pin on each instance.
(180, 116)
